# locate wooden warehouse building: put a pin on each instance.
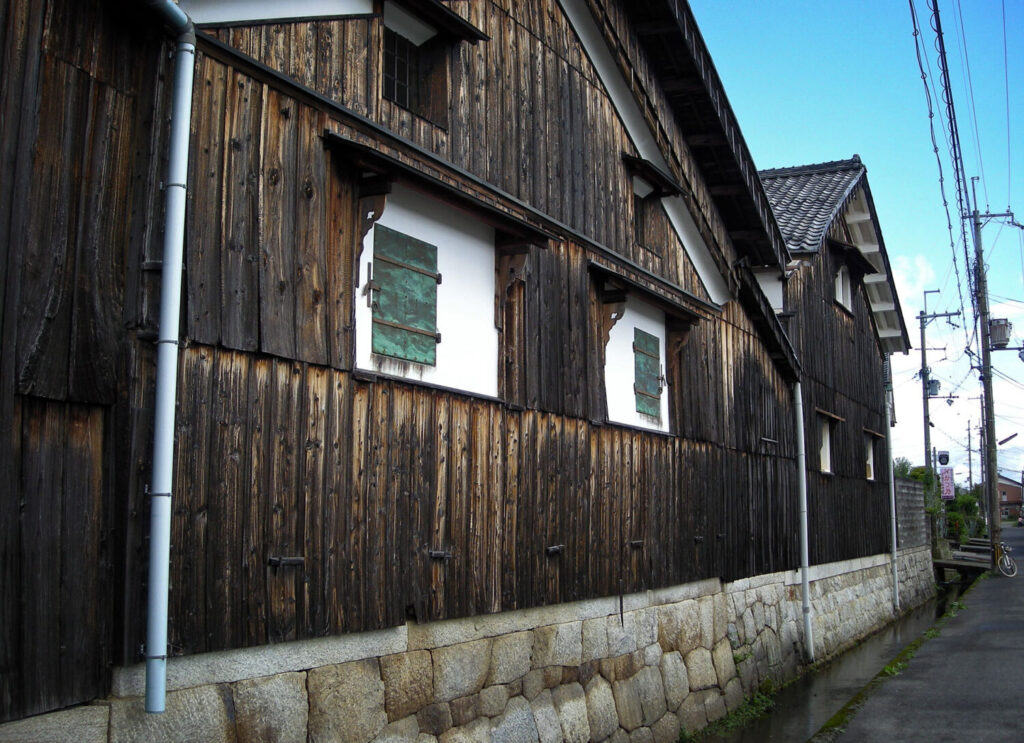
(484, 308)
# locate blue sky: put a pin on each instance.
(817, 81)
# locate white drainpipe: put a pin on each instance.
(167, 352)
(801, 467)
(892, 499)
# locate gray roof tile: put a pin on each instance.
(807, 198)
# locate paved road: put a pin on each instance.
(963, 685)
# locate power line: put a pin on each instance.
(922, 62)
(1006, 81)
(972, 108)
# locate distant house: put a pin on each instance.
(1009, 497)
(482, 376)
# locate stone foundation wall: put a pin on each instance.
(672, 659)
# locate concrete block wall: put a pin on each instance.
(674, 659)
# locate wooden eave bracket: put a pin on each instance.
(678, 305)
(664, 184)
(381, 168)
(447, 21)
(827, 414)
(859, 265)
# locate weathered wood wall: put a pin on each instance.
(843, 375)
(283, 450)
(76, 114)
(364, 478)
(529, 114)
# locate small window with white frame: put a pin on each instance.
(825, 424)
(844, 290)
(869, 456)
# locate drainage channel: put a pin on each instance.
(802, 707)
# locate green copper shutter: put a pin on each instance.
(647, 364)
(405, 311)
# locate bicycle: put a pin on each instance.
(1003, 560)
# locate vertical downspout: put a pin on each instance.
(892, 489)
(167, 352)
(801, 467)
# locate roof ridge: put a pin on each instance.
(826, 167)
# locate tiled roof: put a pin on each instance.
(807, 198)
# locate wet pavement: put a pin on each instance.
(966, 683)
(802, 707)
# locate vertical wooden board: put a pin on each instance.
(499, 82)
(440, 536)
(83, 604)
(460, 126)
(330, 59)
(240, 254)
(276, 216)
(396, 508)
(355, 592)
(533, 325)
(506, 51)
(204, 206)
(317, 498)
(378, 509)
(47, 272)
(539, 136)
(511, 497)
(458, 591)
(284, 498)
(342, 250)
(255, 508)
(326, 515)
(230, 478)
(151, 107)
(275, 41)
(43, 434)
(573, 498)
(495, 491)
(100, 246)
(371, 47)
(187, 629)
(422, 476)
(354, 74)
(551, 128)
(304, 42)
(549, 493)
(563, 205)
(12, 683)
(524, 117)
(481, 526)
(481, 102)
(313, 241)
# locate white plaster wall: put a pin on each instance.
(772, 286)
(467, 356)
(620, 370)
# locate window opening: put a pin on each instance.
(869, 456)
(844, 294)
(825, 452)
(401, 70)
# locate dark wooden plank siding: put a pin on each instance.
(282, 450)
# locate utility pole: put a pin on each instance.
(926, 392)
(991, 469)
(970, 470)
